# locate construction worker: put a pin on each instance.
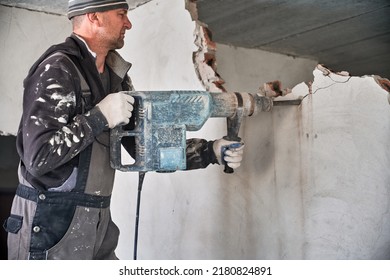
(72, 97)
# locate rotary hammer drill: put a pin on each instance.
(163, 117)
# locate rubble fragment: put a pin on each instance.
(383, 82)
(205, 57)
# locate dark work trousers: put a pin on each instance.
(67, 225)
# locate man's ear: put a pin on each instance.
(93, 18)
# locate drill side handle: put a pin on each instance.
(233, 128)
(227, 168)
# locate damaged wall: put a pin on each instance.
(190, 215)
(345, 130)
(313, 184)
(269, 209)
(322, 167)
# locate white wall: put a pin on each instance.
(25, 35)
(247, 69)
(346, 196)
(313, 182)
(282, 204)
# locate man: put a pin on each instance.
(72, 97)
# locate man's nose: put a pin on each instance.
(128, 24)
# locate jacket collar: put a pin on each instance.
(76, 48)
(116, 63)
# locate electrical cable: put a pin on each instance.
(141, 176)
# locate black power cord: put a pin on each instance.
(141, 176)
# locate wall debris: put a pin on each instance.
(205, 57)
(384, 83)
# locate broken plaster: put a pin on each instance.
(383, 82)
(205, 57)
(206, 67)
(303, 90)
(3, 133)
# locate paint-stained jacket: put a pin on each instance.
(59, 122)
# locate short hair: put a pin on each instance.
(76, 21)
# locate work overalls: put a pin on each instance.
(68, 225)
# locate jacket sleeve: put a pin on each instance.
(53, 132)
(200, 153)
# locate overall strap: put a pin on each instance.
(85, 89)
(85, 155)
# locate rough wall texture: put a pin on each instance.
(313, 184)
(346, 195)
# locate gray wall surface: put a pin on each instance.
(313, 183)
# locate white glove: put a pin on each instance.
(117, 108)
(232, 156)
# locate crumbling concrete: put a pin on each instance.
(314, 182)
(205, 60)
(205, 57)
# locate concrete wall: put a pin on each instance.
(25, 35)
(312, 185)
(191, 215)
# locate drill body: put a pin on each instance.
(163, 117)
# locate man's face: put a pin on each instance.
(114, 24)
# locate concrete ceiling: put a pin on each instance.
(54, 6)
(351, 35)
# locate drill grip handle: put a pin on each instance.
(227, 168)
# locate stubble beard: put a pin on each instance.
(120, 43)
(112, 43)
